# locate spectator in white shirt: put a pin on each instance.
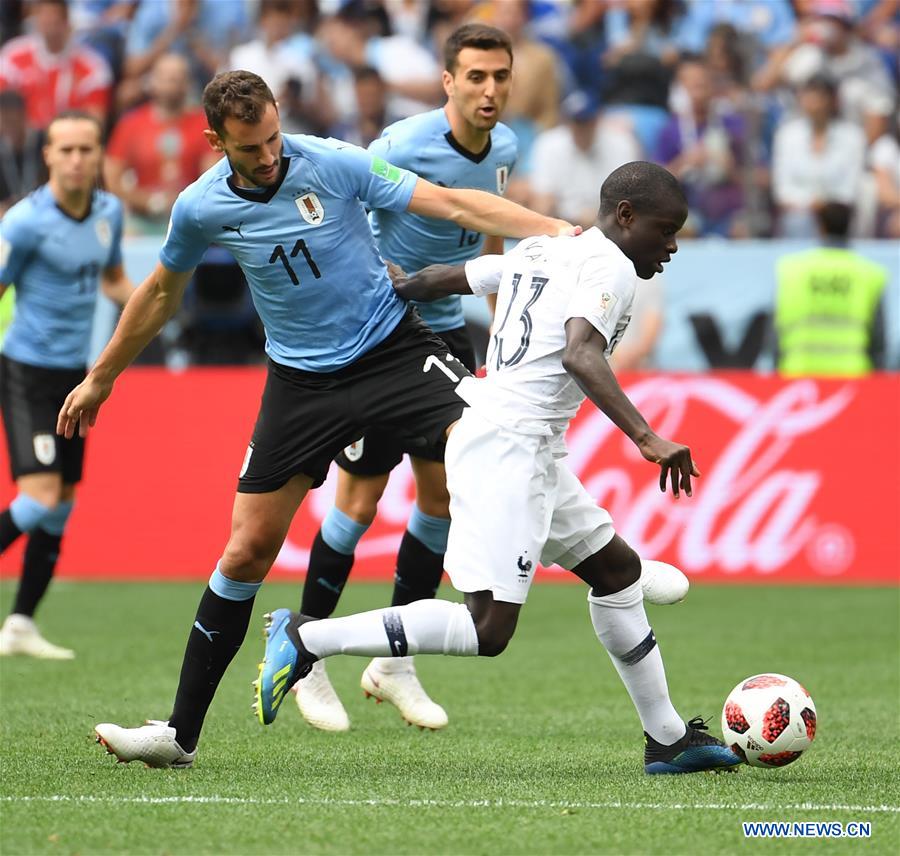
(283, 55)
(817, 156)
(569, 162)
(884, 167)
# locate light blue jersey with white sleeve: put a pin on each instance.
(55, 262)
(317, 279)
(425, 145)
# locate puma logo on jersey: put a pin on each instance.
(235, 229)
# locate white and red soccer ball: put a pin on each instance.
(769, 720)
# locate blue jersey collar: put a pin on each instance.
(475, 157)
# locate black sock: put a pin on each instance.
(418, 573)
(8, 530)
(215, 638)
(325, 579)
(41, 553)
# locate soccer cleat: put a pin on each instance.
(284, 663)
(19, 635)
(696, 752)
(662, 583)
(154, 744)
(318, 702)
(398, 683)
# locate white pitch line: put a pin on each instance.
(498, 803)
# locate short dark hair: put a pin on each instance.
(645, 185)
(81, 115)
(834, 219)
(821, 82)
(240, 95)
(479, 36)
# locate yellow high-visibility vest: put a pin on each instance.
(824, 311)
(7, 307)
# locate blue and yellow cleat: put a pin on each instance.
(696, 752)
(285, 662)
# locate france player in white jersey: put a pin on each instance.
(344, 351)
(562, 305)
(459, 145)
(59, 246)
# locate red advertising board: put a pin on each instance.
(800, 480)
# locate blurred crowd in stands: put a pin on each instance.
(763, 108)
(766, 110)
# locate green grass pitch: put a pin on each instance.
(542, 755)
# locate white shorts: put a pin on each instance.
(512, 505)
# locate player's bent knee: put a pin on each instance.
(361, 509)
(615, 567)
(493, 637)
(249, 559)
(434, 505)
(630, 569)
(47, 491)
(491, 645)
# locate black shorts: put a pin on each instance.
(31, 398)
(406, 385)
(378, 452)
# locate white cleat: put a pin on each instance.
(318, 702)
(19, 635)
(394, 679)
(154, 744)
(662, 583)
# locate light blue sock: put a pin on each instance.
(342, 533)
(431, 531)
(54, 522)
(27, 512)
(231, 589)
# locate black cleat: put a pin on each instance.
(696, 752)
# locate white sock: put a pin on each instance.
(390, 665)
(622, 628)
(423, 627)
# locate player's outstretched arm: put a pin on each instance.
(150, 306)
(433, 282)
(584, 358)
(484, 212)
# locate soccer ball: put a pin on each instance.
(769, 720)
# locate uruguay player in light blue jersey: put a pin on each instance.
(344, 351)
(459, 145)
(58, 246)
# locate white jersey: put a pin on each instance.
(540, 285)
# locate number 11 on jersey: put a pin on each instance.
(278, 254)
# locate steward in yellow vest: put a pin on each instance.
(828, 318)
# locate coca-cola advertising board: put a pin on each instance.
(800, 480)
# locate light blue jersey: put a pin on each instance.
(316, 277)
(425, 145)
(55, 262)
